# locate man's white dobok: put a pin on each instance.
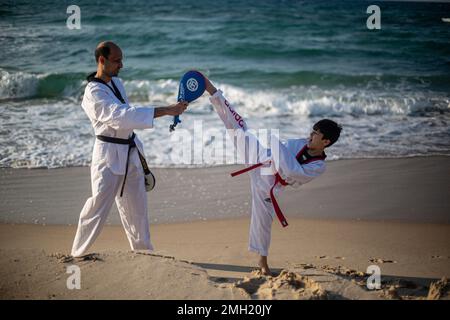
(110, 117)
(283, 162)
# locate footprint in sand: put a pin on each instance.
(381, 261)
(304, 265)
(439, 257)
(287, 285)
(65, 258)
(62, 258)
(343, 271)
(327, 257)
(89, 257)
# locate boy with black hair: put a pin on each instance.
(295, 162)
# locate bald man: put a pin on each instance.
(117, 169)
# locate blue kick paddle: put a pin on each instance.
(192, 86)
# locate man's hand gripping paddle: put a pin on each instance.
(192, 86)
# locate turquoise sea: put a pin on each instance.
(284, 64)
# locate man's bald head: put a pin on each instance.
(105, 48)
(109, 59)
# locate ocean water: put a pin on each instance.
(283, 64)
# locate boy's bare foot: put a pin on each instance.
(264, 266)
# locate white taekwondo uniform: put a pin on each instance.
(286, 165)
(112, 118)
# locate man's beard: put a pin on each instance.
(113, 74)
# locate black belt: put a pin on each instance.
(131, 144)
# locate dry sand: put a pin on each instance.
(390, 213)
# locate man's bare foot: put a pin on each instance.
(264, 266)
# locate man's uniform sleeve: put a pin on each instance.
(118, 116)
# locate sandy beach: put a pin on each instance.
(393, 213)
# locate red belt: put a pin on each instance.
(278, 179)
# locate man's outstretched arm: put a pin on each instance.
(172, 110)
